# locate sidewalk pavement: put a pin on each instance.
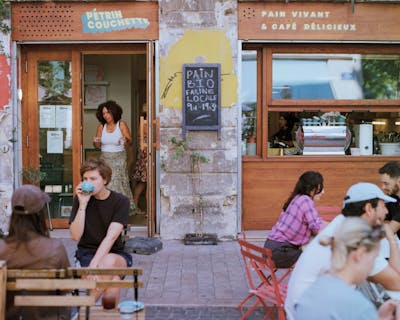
(189, 281)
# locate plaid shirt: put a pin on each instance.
(296, 224)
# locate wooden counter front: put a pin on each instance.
(267, 184)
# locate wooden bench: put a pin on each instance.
(133, 283)
(3, 290)
(57, 289)
(61, 281)
(129, 279)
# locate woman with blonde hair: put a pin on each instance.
(354, 246)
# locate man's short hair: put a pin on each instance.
(99, 165)
(391, 168)
(357, 209)
(359, 194)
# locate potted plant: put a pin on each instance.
(33, 175)
(389, 143)
(196, 160)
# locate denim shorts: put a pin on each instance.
(84, 256)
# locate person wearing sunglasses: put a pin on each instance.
(354, 246)
(364, 200)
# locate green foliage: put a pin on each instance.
(389, 137)
(181, 148)
(197, 157)
(381, 78)
(33, 175)
(13, 139)
(55, 77)
(4, 15)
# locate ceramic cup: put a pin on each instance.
(87, 187)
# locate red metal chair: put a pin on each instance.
(272, 282)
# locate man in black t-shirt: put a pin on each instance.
(390, 179)
(97, 219)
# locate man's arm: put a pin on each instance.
(394, 258)
(388, 277)
(77, 226)
(113, 232)
(394, 225)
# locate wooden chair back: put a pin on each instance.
(55, 286)
(23, 282)
(272, 282)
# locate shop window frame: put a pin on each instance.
(266, 103)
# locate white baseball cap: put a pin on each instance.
(363, 191)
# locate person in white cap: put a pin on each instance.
(365, 200)
(28, 245)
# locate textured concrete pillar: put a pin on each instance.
(7, 132)
(198, 32)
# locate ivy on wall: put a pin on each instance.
(4, 15)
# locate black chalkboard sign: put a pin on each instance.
(201, 99)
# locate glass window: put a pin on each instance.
(249, 102)
(55, 133)
(336, 76)
(334, 133)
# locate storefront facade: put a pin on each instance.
(330, 67)
(63, 58)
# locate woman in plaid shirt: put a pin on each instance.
(298, 221)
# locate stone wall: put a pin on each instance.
(7, 134)
(198, 32)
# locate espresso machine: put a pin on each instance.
(323, 140)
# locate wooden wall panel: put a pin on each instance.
(50, 21)
(318, 21)
(267, 184)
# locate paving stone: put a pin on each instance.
(198, 313)
(190, 282)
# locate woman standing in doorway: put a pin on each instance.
(113, 136)
(140, 172)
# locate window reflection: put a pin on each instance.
(54, 85)
(249, 102)
(356, 133)
(335, 76)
